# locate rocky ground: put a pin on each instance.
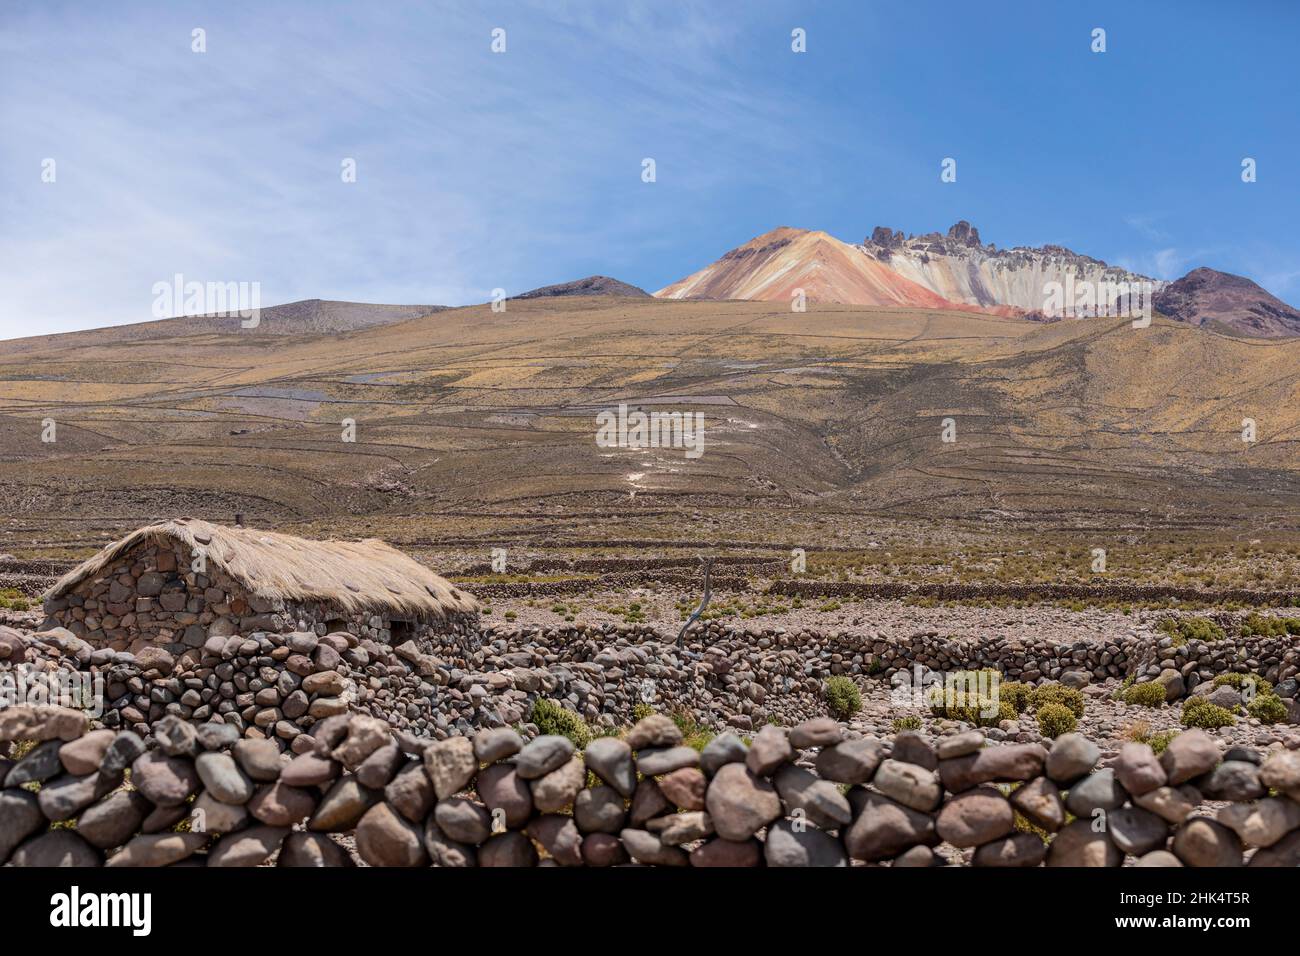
(668, 608)
(724, 677)
(1111, 723)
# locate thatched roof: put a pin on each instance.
(352, 575)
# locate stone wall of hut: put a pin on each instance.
(156, 595)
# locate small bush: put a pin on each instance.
(1161, 740)
(976, 697)
(1239, 681)
(910, 722)
(1067, 697)
(640, 711)
(20, 749)
(1139, 731)
(1018, 693)
(14, 599)
(551, 717)
(1199, 712)
(1056, 719)
(1149, 694)
(694, 734)
(842, 697)
(982, 711)
(1256, 624)
(1192, 629)
(1267, 708)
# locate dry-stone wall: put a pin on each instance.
(978, 591)
(280, 684)
(879, 590)
(202, 795)
(822, 653)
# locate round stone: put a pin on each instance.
(741, 803)
(975, 817)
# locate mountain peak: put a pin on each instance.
(592, 285)
(956, 270)
(777, 265)
(964, 233)
(1207, 296)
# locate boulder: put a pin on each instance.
(740, 803)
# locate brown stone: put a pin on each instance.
(740, 803)
(975, 817)
(1018, 849)
(685, 788)
(1077, 845)
(728, 853)
(1007, 763)
(385, 838)
(883, 829)
(1203, 842)
(280, 805)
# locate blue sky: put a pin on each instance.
(478, 170)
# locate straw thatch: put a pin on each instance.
(354, 576)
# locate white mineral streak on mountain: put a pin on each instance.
(959, 267)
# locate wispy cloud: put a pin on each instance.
(1145, 225)
(474, 168)
(479, 170)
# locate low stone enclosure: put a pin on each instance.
(279, 684)
(178, 583)
(202, 795)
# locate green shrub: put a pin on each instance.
(14, 599)
(1191, 629)
(1161, 740)
(20, 749)
(551, 717)
(1018, 693)
(1067, 697)
(910, 722)
(694, 734)
(640, 711)
(976, 697)
(1257, 624)
(1119, 692)
(1240, 681)
(1199, 712)
(1149, 694)
(1267, 708)
(981, 711)
(1055, 719)
(842, 697)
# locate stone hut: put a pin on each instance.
(178, 583)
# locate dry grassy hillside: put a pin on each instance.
(470, 423)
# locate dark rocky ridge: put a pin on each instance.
(305, 317)
(1209, 297)
(962, 239)
(592, 285)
